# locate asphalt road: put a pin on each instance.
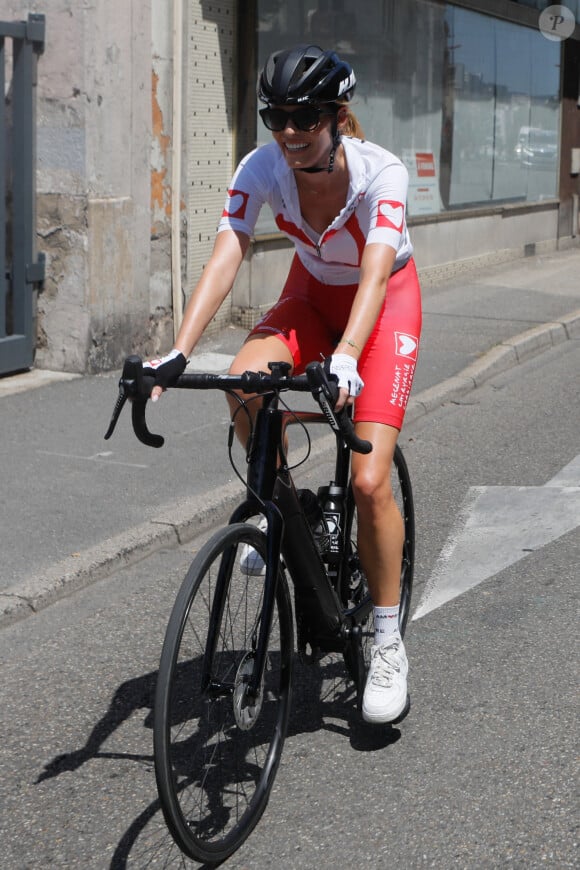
(482, 774)
(75, 506)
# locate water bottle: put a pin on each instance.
(313, 513)
(331, 498)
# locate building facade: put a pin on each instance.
(145, 107)
(479, 99)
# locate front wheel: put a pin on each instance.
(216, 748)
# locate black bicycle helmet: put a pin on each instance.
(305, 74)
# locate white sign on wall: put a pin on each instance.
(423, 196)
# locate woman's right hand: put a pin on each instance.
(166, 370)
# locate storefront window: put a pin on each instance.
(502, 108)
(572, 5)
(470, 103)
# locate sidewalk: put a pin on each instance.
(75, 507)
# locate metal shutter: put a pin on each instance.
(208, 128)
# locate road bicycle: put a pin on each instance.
(225, 675)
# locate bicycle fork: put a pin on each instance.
(270, 585)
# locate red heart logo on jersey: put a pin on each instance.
(236, 205)
(391, 214)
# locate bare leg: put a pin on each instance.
(380, 541)
(254, 356)
(380, 525)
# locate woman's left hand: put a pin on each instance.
(343, 367)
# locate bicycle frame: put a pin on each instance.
(271, 491)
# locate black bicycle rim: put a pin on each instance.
(216, 754)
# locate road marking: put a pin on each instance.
(498, 526)
(97, 457)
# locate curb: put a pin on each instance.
(498, 359)
(197, 514)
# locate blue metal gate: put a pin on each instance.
(20, 268)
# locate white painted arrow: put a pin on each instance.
(496, 527)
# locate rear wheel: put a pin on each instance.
(403, 491)
(217, 748)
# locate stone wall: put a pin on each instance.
(93, 180)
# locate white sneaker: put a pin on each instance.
(385, 695)
(251, 563)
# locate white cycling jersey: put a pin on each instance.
(374, 211)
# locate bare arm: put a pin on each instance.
(212, 288)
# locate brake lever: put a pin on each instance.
(121, 399)
(132, 387)
(325, 391)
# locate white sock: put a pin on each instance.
(386, 623)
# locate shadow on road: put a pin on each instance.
(322, 700)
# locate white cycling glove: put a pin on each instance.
(343, 366)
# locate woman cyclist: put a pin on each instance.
(352, 295)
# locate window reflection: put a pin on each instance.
(470, 103)
(572, 5)
(503, 110)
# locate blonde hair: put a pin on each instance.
(351, 124)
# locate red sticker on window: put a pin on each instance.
(425, 164)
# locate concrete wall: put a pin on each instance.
(93, 179)
(451, 245)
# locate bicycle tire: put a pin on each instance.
(217, 753)
(355, 589)
(404, 497)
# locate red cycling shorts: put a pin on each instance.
(310, 318)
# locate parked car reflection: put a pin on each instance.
(536, 147)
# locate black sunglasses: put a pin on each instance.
(306, 118)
